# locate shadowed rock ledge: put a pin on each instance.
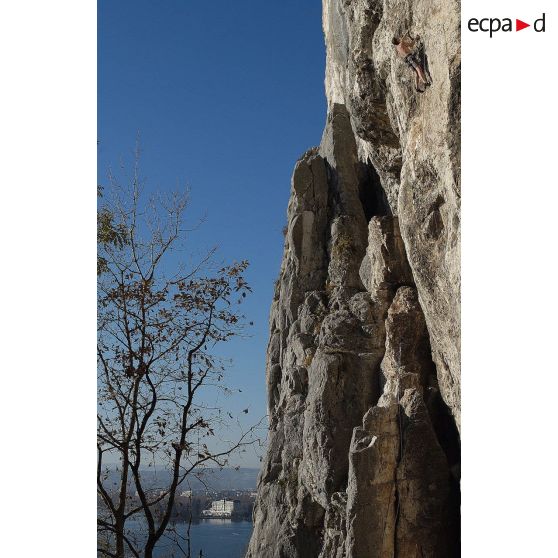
(363, 356)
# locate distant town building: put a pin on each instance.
(186, 494)
(221, 508)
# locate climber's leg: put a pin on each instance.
(413, 63)
(427, 71)
(419, 84)
(420, 72)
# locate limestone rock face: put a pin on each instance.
(363, 367)
(413, 141)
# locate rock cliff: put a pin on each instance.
(363, 366)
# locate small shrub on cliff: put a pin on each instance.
(342, 246)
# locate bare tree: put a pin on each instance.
(158, 327)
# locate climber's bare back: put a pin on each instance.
(405, 46)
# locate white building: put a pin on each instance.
(221, 508)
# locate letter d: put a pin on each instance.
(542, 22)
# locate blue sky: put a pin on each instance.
(225, 97)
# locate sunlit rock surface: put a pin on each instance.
(363, 359)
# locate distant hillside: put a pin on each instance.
(212, 479)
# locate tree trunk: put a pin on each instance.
(149, 546)
(119, 538)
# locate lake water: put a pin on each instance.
(216, 538)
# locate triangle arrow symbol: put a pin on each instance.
(519, 25)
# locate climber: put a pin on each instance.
(412, 51)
